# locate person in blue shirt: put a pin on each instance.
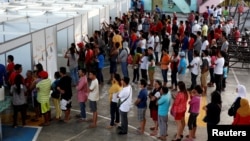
(182, 67)
(185, 43)
(100, 60)
(141, 104)
(163, 109)
(3, 75)
(225, 72)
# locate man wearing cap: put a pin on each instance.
(43, 95)
(182, 67)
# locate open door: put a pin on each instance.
(157, 2)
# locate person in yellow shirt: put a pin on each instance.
(204, 29)
(113, 92)
(117, 38)
(165, 60)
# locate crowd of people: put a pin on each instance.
(140, 42)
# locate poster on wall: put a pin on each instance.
(51, 51)
(84, 26)
(39, 51)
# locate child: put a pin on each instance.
(225, 72)
(93, 97)
(19, 99)
(194, 110)
(56, 96)
(82, 93)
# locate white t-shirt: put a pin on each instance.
(139, 27)
(151, 42)
(143, 43)
(94, 94)
(157, 40)
(196, 28)
(196, 64)
(204, 45)
(125, 93)
(114, 97)
(144, 63)
(219, 64)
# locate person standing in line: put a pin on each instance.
(64, 86)
(56, 95)
(18, 90)
(82, 93)
(136, 65)
(141, 103)
(182, 67)
(125, 97)
(153, 97)
(151, 66)
(9, 68)
(194, 109)
(43, 96)
(163, 108)
(144, 65)
(165, 60)
(72, 56)
(100, 60)
(179, 108)
(93, 97)
(218, 71)
(157, 47)
(213, 111)
(114, 90)
(194, 66)
(206, 61)
(174, 70)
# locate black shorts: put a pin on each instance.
(93, 106)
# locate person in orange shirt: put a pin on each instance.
(165, 60)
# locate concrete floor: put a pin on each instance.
(75, 131)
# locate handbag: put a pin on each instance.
(119, 103)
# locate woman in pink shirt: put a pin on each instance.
(82, 94)
(179, 108)
(194, 110)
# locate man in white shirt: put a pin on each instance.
(205, 44)
(156, 47)
(196, 27)
(218, 71)
(151, 40)
(93, 97)
(125, 97)
(194, 66)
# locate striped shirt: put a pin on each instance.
(44, 87)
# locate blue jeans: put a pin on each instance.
(156, 58)
(165, 75)
(74, 75)
(82, 108)
(190, 56)
(124, 67)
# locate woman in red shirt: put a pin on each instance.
(179, 108)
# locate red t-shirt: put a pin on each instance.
(10, 67)
(169, 29)
(191, 44)
(159, 26)
(89, 56)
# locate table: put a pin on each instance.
(4, 105)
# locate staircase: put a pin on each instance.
(204, 4)
(183, 6)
